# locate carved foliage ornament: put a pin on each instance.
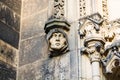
(91, 32)
(56, 31)
(105, 9)
(112, 51)
(82, 7)
(58, 8)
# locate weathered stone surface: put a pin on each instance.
(33, 25)
(56, 34)
(32, 50)
(7, 72)
(47, 69)
(32, 7)
(74, 65)
(15, 5)
(62, 67)
(34, 63)
(9, 17)
(8, 54)
(9, 35)
(38, 70)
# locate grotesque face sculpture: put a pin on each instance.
(57, 41)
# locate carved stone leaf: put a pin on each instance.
(58, 8)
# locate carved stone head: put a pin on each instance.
(56, 31)
(57, 41)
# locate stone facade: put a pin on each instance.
(58, 40)
(10, 11)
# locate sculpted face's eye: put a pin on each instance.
(54, 35)
(60, 35)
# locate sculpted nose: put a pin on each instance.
(57, 38)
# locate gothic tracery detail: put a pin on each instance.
(82, 8)
(58, 8)
(105, 9)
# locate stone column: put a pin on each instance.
(92, 34)
(94, 50)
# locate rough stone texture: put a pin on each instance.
(33, 7)
(34, 60)
(8, 61)
(7, 72)
(9, 17)
(31, 71)
(33, 25)
(32, 50)
(35, 63)
(9, 35)
(9, 38)
(15, 5)
(33, 46)
(10, 22)
(46, 69)
(8, 54)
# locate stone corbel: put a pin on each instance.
(56, 34)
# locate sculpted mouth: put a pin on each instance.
(57, 44)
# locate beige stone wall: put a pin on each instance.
(33, 46)
(34, 62)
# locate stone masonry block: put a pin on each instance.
(32, 50)
(31, 7)
(33, 25)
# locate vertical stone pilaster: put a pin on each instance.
(105, 9)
